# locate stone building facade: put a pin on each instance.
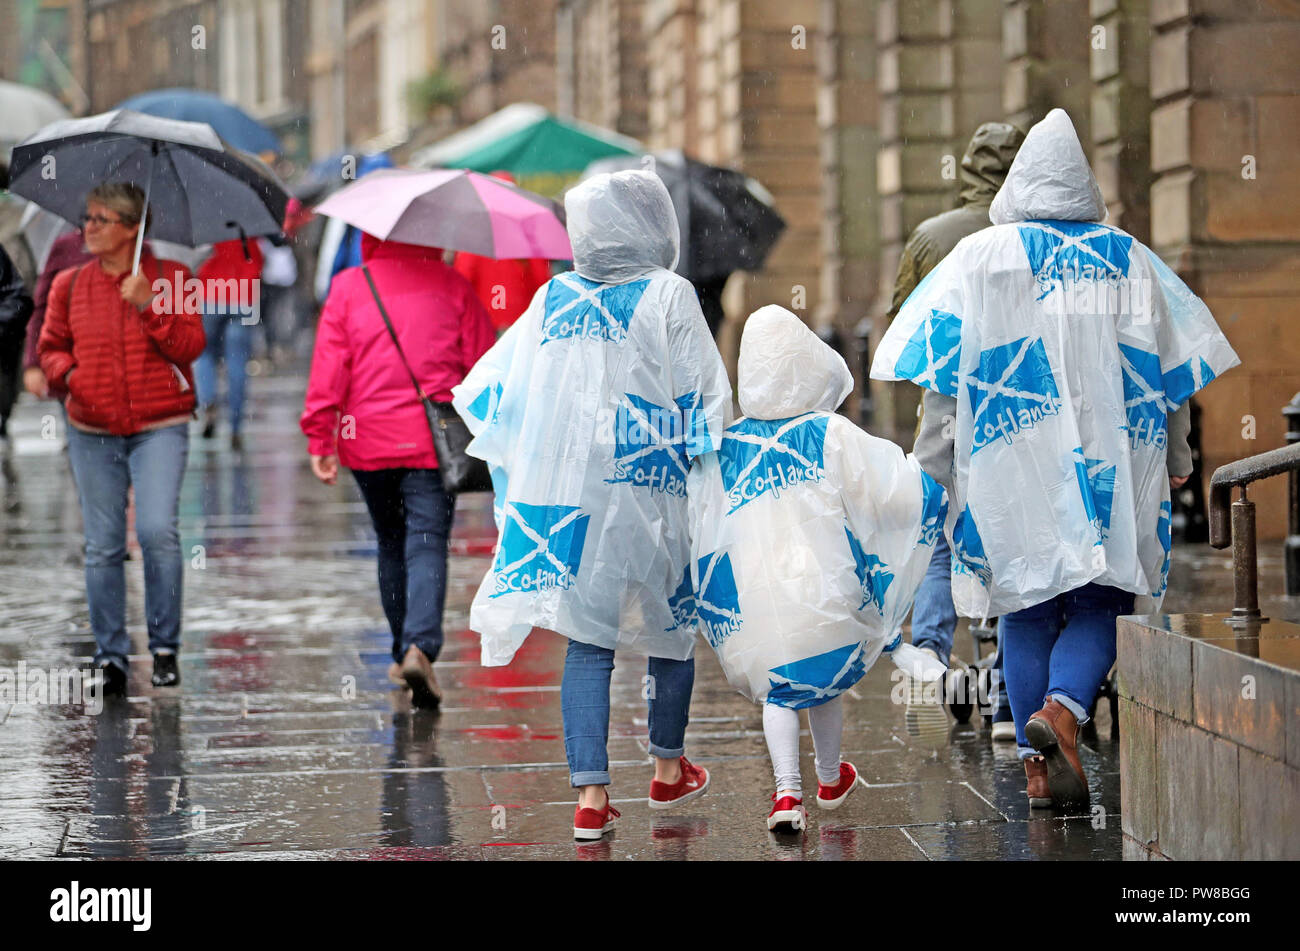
(852, 112)
(1188, 109)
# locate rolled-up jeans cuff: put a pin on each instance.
(593, 777)
(662, 753)
(1074, 706)
(1024, 752)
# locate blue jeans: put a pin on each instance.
(998, 684)
(584, 701)
(934, 619)
(1060, 649)
(228, 335)
(412, 517)
(154, 462)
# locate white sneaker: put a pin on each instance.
(1004, 732)
(925, 716)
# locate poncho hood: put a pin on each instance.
(622, 226)
(784, 370)
(1050, 178)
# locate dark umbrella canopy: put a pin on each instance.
(726, 218)
(230, 122)
(201, 190)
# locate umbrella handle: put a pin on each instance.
(144, 215)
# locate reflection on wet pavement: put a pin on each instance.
(287, 741)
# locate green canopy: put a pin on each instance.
(544, 152)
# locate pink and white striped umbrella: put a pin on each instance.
(452, 208)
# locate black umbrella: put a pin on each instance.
(203, 189)
(727, 219)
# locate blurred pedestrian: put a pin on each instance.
(231, 302)
(279, 275)
(67, 251)
(1060, 348)
(589, 410)
(122, 354)
(15, 311)
(362, 410)
(506, 286)
(934, 619)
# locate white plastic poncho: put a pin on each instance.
(809, 537)
(1065, 343)
(589, 411)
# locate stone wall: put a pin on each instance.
(848, 119)
(940, 74)
(133, 46)
(1224, 127)
(608, 79)
(1209, 739)
(1189, 110)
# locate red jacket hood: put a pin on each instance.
(373, 249)
(227, 261)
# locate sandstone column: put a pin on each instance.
(1224, 81)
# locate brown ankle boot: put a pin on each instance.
(1053, 731)
(1040, 796)
(417, 671)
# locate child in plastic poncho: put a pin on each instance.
(809, 539)
(1059, 350)
(589, 411)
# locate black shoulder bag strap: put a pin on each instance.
(460, 472)
(374, 291)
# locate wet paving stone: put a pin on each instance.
(286, 740)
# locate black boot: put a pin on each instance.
(165, 671)
(112, 680)
(209, 422)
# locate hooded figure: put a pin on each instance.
(809, 537)
(984, 166)
(989, 155)
(1064, 344)
(589, 411)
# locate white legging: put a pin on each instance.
(781, 727)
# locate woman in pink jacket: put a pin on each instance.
(361, 410)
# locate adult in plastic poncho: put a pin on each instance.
(984, 166)
(589, 410)
(1066, 345)
(809, 538)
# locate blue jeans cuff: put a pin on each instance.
(428, 646)
(664, 753)
(594, 777)
(1024, 752)
(1070, 704)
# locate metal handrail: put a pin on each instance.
(1238, 527)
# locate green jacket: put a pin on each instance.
(983, 167)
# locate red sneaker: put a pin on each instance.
(591, 824)
(832, 797)
(788, 815)
(693, 782)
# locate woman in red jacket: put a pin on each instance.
(231, 298)
(362, 411)
(120, 344)
(504, 287)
